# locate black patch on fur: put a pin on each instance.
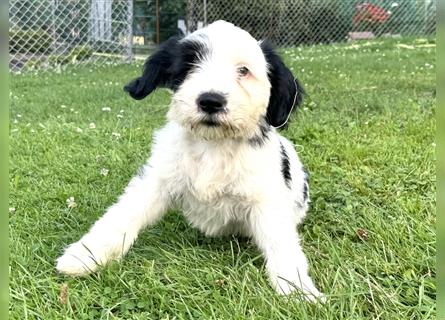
(284, 88)
(260, 139)
(285, 166)
(167, 67)
(306, 185)
(156, 70)
(190, 53)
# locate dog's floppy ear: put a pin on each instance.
(286, 92)
(157, 70)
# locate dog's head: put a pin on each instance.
(225, 83)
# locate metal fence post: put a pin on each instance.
(205, 12)
(130, 31)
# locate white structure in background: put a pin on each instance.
(182, 26)
(101, 20)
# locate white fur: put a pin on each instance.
(247, 97)
(221, 182)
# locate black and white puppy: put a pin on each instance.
(219, 158)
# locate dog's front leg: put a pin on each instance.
(274, 231)
(144, 201)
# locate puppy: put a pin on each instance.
(219, 158)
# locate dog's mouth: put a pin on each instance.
(214, 127)
(210, 121)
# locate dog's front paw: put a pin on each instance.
(303, 285)
(77, 260)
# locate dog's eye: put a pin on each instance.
(243, 71)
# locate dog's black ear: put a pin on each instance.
(286, 92)
(157, 70)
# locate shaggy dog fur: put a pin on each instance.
(219, 158)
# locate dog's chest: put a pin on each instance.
(219, 191)
(213, 175)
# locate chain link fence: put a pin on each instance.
(45, 33)
(306, 22)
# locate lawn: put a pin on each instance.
(365, 133)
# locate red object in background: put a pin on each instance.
(367, 12)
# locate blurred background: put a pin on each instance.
(48, 33)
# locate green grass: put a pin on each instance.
(365, 133)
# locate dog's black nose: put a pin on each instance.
(211, 102)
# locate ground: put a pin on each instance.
(365, 133)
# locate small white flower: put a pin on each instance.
(70, 202)
(433, 144)
(63, 106)
(116, 135)
(104, 172)
(120, 116)
(32, 131)
(122, 110)
(19, 116)
(106, 109)
(11, 210)
(92, 125)
(79, 130)
(16, 121)
(71, 109)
